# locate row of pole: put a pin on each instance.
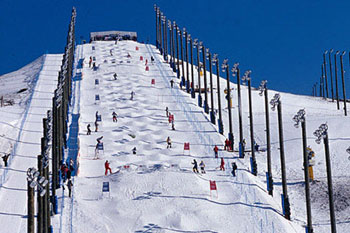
(321, 88)
(322, 132)
(39, 178)
(178, 46)
(60, 105)
(175, 32)
(55, 130)
(275, 102)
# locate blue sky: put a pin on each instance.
(281, 41)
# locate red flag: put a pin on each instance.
(212, 185)
(186, 146)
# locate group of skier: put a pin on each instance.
(171, 119)
(222, 166)
(66, 174)
(195, 166)
(97, 119)
(92, 65)
(227, 144)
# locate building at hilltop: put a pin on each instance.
(113, 35)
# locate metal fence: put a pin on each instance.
(265, 224)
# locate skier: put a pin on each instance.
(69, 174)
(169, 114)
(64, 171)
(172, 124)
(110, 51)
(114, 117)
(134, 150)
(167, 111)
(152, 59)
(96, 126)
(172, 83)
(227, 145)
(107, 168)
(202, 166)
(132, 95)
(222, 165)
(256, 146)
(128, 56)
(88, 129)
(5, 158)
(94, 66)
(195, 166)
(115, 76)
(90, 62)
(96, 115)
(96, 152)
(70, 184)
(234, 168)
(99, 139)
(244, 143)
(168, 140)
(97, 146)
(146, 62)
(216, 149)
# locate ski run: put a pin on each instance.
(153, 188)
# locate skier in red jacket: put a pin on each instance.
(107, 168)
(227, 145)
(216, 149)
(222, 165)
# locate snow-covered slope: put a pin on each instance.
(11, 85)
(20, 83)
(155, 190)
(26, 143)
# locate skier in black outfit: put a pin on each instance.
(195, 166)
(234, 168)
(172, 83)
(88, 129)
(5, 158)
(132, 95)
(167, 111)
(99, 139)
(256, 147)
(168, 140)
